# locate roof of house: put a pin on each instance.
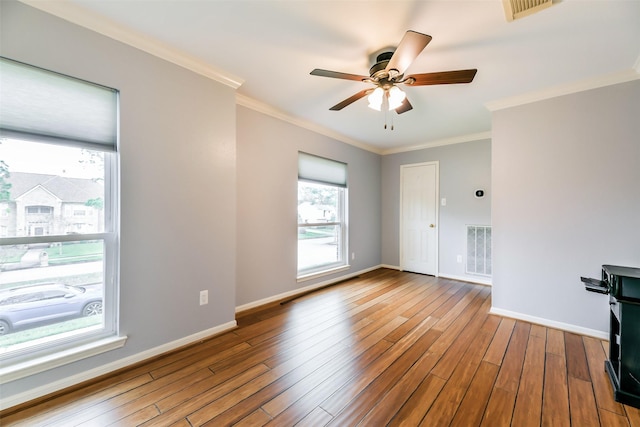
(68, 190)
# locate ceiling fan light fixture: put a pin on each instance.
(396, 97)
(375, 99)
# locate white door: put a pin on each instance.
(418, 218)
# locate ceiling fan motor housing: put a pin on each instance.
(377, 71)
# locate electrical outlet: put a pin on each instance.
(353, 256)
(204, 297)
(459, 259)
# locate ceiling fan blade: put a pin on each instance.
(339, 106)
(442, 78)
(338, 75)
(407, 51)
(406, 106)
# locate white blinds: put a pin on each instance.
(318, 169)
(53, 107)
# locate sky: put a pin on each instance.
(22, 156)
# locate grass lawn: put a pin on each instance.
(314, 234)
(11, 254)
(85, 251)
(49, 330)
(61, 253)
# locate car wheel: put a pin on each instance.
(92, 308)
(4, 327)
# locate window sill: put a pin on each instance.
(317, 274)
(44, 363)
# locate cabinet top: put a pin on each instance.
(617, 270)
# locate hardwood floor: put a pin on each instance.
(387, 348)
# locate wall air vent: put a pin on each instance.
(479, 249)
(514, 9)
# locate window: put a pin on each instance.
(39, 209)
(322, 243)
(58, 284)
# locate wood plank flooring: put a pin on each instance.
(386, 348)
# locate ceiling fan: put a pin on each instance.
(388, 72)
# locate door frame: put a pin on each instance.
(436, 163)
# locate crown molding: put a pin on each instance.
(567, 89)
(441, 142)
(261, 107)
(79, 16)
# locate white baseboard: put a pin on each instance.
(299, 291)
(8, 402)
(479, 280)
(603, 335)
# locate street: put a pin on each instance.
(50, 272)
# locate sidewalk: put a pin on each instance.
(31, 258)
(51, 272)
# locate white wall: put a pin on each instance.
(566, 199)
(267, 204)
(178, 174)
(464, 168)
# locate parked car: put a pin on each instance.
(47, 303)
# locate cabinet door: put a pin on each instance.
(629, 348)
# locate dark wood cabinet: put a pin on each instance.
(623, 365)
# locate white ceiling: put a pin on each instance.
(271, 46)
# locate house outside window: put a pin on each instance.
(322, 216)
(59, 242)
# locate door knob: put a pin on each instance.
(432, 225)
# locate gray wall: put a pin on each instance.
(463, 168)
(267, 204)
(566, 199)
(178, 192)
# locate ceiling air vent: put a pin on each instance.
(514, 9)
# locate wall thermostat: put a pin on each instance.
(479, 193)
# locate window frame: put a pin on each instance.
(341, 217)
(29, 359)
(109, 237)
(50, 352)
